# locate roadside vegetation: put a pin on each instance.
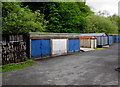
(95, 23)
(56, 17)
(14, 66)
(100, 48)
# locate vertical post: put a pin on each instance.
(79, 43)
(67, 46)
(30, 49)
(92, 43)
(28, 45)
(51, 46)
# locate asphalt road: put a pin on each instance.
(87, 68)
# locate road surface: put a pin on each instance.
(86, 68)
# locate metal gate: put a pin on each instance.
(73, 45)
(40, 47)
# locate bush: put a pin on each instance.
(18, 19)
(97, 24)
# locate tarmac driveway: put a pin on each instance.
(87, 68)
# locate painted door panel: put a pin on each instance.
(118, 38)
(45, 46)
(40, 47)
(59, 46)
(110, 39)
(36, 48)
(73, 45)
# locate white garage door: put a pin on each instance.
(59, 46)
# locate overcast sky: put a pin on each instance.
(111, 6)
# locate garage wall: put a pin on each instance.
(102, 40)
(85, 42)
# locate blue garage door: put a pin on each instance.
(118, 38)
(73, 45)
(114, 38)
(40, 47)
(110, 39)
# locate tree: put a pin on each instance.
(115, 20)
(103, 13)
(19, 19)
(63, 16)
(98, 24)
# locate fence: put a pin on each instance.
(14, 48)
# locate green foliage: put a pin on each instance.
(115, 20)
(119, 24)
(18, 19)
(0, 69)
(97, 24)
(67, 17)
(14, 66)
(63, 17)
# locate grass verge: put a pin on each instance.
(100, 48)
(14, 66)
(0, 69)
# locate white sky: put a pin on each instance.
(111, 6)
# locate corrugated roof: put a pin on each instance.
(93, 34)
(113, 34)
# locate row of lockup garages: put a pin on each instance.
(114, 38)
(100, 39)
(53, 44)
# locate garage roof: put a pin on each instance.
(93, 34)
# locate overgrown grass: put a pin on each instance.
(100, 48)
(14, 66)
(0, 69)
